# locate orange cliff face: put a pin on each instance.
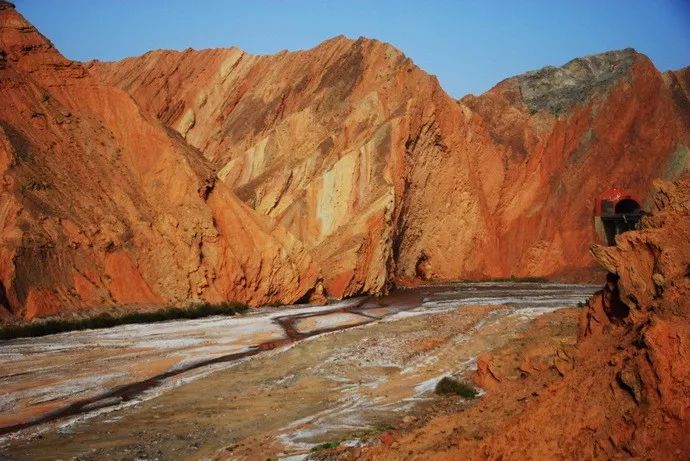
(382, 176)
(216, 174)
(102, 205)
(570, 133)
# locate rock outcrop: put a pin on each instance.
(631, 370)
(103, 205)
(383, 177)
(621, 393)
(649, 415)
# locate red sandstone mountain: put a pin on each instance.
(363, 157)
(103, 205)
(122, 179)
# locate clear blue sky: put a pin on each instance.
(469, 45)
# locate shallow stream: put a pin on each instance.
(277, 381)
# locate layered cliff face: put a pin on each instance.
(315, 139)
(382, 176)
(570, 133)
(103, 205)
(216, 174)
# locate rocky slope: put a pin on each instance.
(103, 205)
(622, 393)
(352, 167)
(382, 176)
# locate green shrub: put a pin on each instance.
(449, 385)
(50, 327)
(325, 446)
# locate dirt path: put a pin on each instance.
(302, 387)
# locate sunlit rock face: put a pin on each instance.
(102, 205)
(344, 169)
(364, 158)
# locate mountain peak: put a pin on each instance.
(22, 45)
(557, 89)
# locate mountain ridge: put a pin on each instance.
(247, 190)
(355, 172)
(90, 220)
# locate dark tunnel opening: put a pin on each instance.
(627, 206)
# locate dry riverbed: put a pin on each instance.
(275, 383)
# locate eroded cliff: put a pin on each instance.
(103, 205)
(364, 158)
(215, 174)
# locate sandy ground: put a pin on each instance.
(522, 367)
(331, 386)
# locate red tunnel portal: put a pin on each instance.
(616, 211)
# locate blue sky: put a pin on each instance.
(469, 45)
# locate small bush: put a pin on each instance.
(449, 385)
(50, 327)
(325, 446)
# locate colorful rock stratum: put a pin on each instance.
(204, 176)
(341, 170)
(103, 205)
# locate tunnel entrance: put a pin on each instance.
(616, 211)
(627, 206)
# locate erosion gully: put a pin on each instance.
(275, 382)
